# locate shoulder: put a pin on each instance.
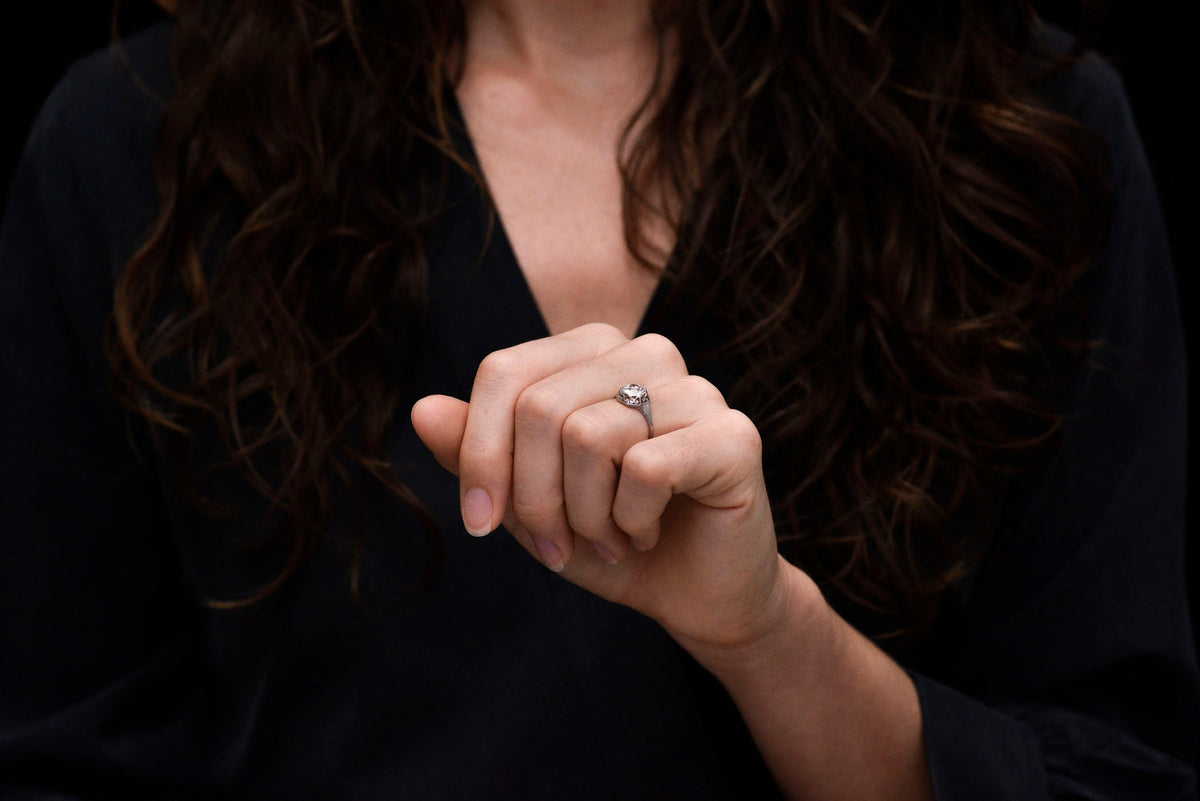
(87, 170)
(84, 193)
(1134, 322)
(1091, 91)
(119, 85)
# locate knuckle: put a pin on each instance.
(500, 366)
(475, 452)
(603, 332)
(593, 529)
(586, 431)
(662, 350)
(642, 532)
(537, 404)
(703, 390)
(646, 466)
(533, 512)
(624, 522)
(743, 431)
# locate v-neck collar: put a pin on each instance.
(479, 300)
(499, 255)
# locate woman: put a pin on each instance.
(935, 555)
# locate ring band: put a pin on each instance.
(635, 396)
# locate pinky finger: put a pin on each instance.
(716, 461)
(644, 489)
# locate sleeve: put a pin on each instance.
(98, 662)
(1070, 671)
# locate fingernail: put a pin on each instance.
(604, 553)
(477, 512)
(549, 553)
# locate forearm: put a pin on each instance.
(833, 716)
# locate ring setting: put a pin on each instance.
(635, 396)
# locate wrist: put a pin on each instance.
(795, 621)
(832, 715)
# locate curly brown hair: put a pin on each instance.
(885, 207)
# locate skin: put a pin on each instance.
(546, 96)
(679, 526)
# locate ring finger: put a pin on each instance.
(595, 439)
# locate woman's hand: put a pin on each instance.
(677, 526)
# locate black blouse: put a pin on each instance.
(1063, 669)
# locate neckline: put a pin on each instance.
(499, 247)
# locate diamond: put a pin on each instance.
(634, 395)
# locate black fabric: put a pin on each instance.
(1064, 669)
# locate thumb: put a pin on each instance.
(440, 421)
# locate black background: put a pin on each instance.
(1152, 44)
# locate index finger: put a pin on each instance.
(485, 456)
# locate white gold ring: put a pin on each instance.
(635, 396)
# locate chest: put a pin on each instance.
(554, 180)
